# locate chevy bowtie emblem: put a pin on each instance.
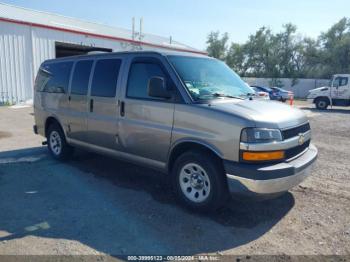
(301, 140)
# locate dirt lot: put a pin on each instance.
(98, 205)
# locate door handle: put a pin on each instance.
(91, 105)
(122, 108)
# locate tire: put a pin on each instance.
(199, 181)
(56, 143)
(283, 100)
(322, 103)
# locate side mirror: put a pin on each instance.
(157, 88)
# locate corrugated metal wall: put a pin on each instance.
(16, 75)
(23, 48)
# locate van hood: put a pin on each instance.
(266, 114)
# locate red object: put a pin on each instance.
(291, 101)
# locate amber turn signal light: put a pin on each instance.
(263, 156)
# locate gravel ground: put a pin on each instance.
(98, 205)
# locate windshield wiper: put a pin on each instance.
(228, 96)
(249, 95)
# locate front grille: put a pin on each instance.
(292, 152)
(289, 133)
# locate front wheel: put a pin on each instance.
(57, 143)
(322, 103)
(199, 181)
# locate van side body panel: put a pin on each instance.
(48, 105)
(217, 131)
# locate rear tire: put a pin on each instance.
(57, 144)
(322, 103)
(199, 181)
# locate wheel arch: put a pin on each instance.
(322, 97)
(51, 120)
(185, 145)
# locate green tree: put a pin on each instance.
(286, 53)
(217, 46)
(335, 44)
(236, 58)
(310, 63)
(287, 50)
(260, 57)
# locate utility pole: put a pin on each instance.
(133, 28)
(141, 29)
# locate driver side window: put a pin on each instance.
(340, 81)
(343, 81)
(336, 82)
(139, 76)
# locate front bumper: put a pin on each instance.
(310, 100)
(271, 179)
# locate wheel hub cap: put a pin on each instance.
(194, 182)
(55, 142)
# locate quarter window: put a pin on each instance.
(57, 77)
(139, 76)
(41, 79)
(104, 82)
(81, 77)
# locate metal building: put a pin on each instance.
(29, 37)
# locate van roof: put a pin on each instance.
(164, 53)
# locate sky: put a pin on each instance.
(190, 21)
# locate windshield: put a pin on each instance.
(207, 78)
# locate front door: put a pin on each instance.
(146, 123)
(341, 90)
(102, 105)
(341, 87)
(78, 107)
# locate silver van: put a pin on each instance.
(189, 116)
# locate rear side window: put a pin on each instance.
(81, 77)
(104, 82)
(41, 79)
(139, 76)
(56, 77)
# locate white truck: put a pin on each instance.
(337, 94)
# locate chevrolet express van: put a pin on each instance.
(189, 116)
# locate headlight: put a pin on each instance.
(260, 135)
